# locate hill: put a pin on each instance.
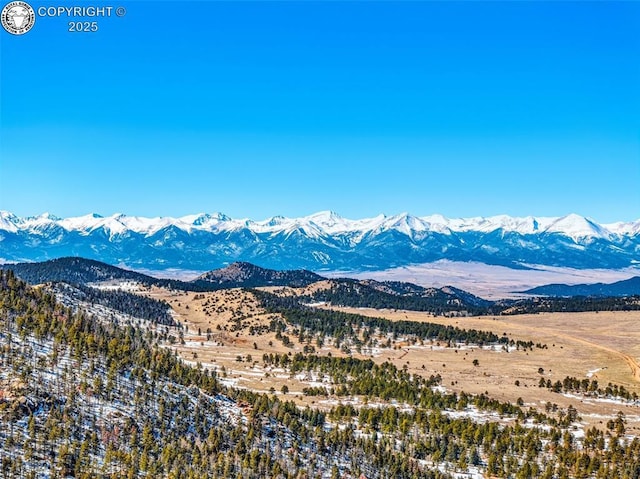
(247, 275)
(395, 295)
(339, 292)
(75, 270)
(628, 287)
(113, 300)
(81, 396)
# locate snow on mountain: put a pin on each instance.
(438, 223)
(526, 225)
(323, 240)
(329, 221)
(82, 223)
(624, 229)
(202, 221)
(404, 223)
(39, 225)
(326, 223)
(9, 221)
(577, 227)
(92, 222)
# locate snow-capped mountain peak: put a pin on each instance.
(321, 240)
(329, 222)
(621, 228)
(8, 221)
(578, 227)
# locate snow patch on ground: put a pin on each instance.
(128, 286)
(607, 400)
(473, 413)
(313, 380)
(591, 372)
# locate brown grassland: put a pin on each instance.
(602, 346)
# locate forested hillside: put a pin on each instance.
(247, 275)
(569, 305)
(82, 397)
(131, 304)
(400, 296)
(83, 271)
(360, 330)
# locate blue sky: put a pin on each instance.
(259, 109)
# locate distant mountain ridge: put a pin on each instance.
(335, 291)
(628, 287)
(321, 242)
(84, 271)
(342, 291)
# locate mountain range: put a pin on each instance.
(321, 242)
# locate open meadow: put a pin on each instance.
(599, 346)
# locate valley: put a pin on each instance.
(289, 374)
(599, 346)
(320, 240)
